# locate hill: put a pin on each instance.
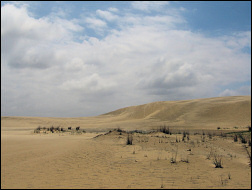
(224, 111)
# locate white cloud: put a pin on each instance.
(94, 22)
(30, 42)
(113, 9)
(149, 5)
(106, 15)
(143, 59)
(243, 90)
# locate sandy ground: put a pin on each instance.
(65, 160)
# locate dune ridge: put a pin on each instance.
(232, 110)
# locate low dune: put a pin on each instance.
(200, 131)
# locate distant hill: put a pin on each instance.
(225, 111)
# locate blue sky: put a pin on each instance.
(73, 59)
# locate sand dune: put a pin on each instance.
(209, 113)
(70, 160)
(227, 111)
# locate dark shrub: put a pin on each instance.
(235, 138)
(217, 162)
(243, 140)
(129, 140)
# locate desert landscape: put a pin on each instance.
(200, 143)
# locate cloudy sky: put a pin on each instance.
(73, 59)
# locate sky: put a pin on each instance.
(86, 58)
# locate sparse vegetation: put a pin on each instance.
(165, 130)
(57, 129)
(217, 161)
(249, 155)
(185, 160)
(243, 139)
(174, 158)
(229, 175)
(235, 138)
(129, 140)
(249, 128)
(119, 130)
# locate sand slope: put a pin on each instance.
(234, 110)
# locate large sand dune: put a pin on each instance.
(209, 113)
(227, 111)
(70, 160)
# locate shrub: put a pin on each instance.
(235, 138)
(249, 155)
(185, 160)
(119, 130)
(243, 140)
(129, 140)
(188, 138)
(57, 128)
(217, 161)
(184, 134)
(165, 130)
(52, 129)
(174, 159)
(249, 128)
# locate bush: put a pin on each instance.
(52, 129)
(129, 140)
(165, 130)
(217, 161)
(119, 130)
(249, 155)
(235, 138)
(249, 128)
(243, 140)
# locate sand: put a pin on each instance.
(70, 160)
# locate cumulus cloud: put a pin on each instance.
(142, 59)
(30, 42)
